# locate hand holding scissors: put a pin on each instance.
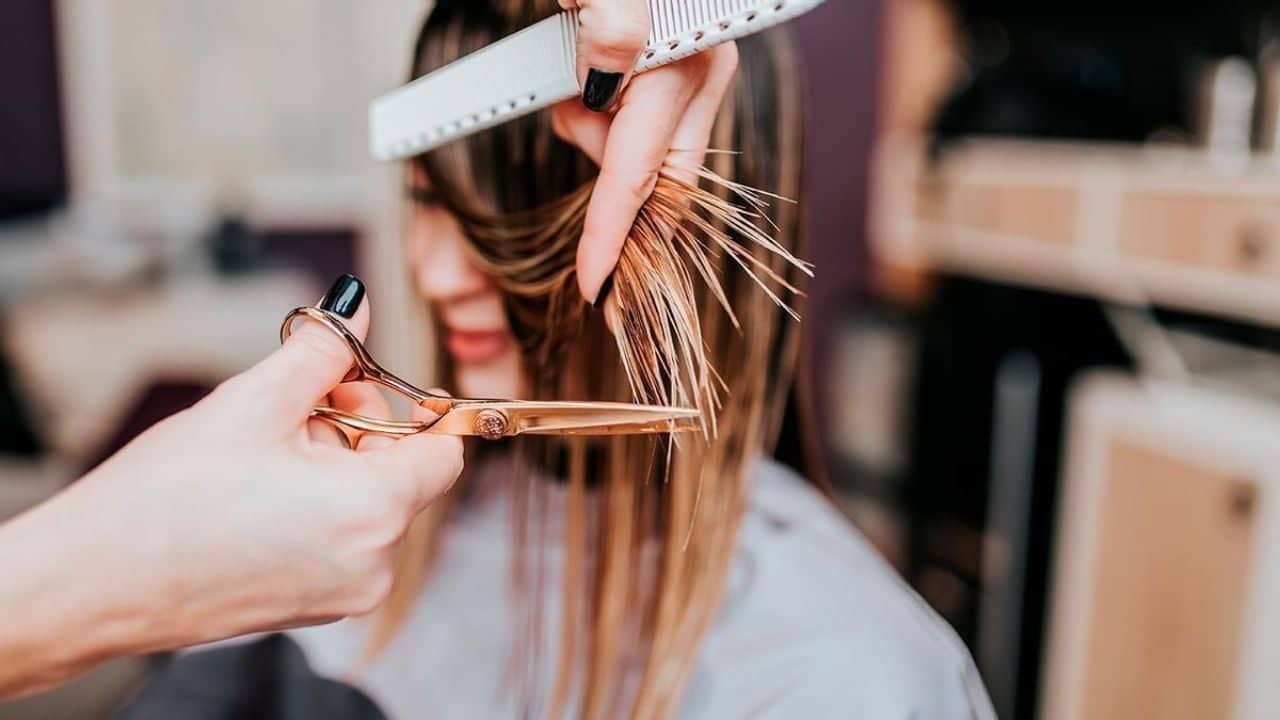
(490, 419)
(230, 517)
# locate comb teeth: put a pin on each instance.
(536, 68)
(672, 18)
(685, 27)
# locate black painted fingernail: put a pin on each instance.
(605, 288)
(344, 297)
(601, 89)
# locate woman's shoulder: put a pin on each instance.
(816, 620)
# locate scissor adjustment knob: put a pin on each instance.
(491, 424)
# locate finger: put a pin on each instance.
(578, 126)
(638, 143)
(370, 442)
(611, 320)
(611, 36)
(367, 401)
(424, 465)
(692, 136)
(360, 399)
(357, 399)
(325, 433)
(314, 359)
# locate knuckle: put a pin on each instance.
(374, 510)
(619, 34)
(375, 590)
(712, 68)
(389, 512)
(558, 125)
(637, 185)
(727, 57)
(243, 396)
(403, 505)
(321, 343)
(724, 67)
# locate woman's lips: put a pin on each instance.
(477, 347)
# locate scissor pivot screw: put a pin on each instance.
(491, 424)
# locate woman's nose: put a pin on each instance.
(445, 271)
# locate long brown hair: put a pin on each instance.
(651, 524)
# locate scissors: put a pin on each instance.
(489, 419)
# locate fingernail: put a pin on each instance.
(344, 296)
(605, 288)
(601, 89)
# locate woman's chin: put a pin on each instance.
(498, 377)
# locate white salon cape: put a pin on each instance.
(815, 625)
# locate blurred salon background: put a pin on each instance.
(1042, 342)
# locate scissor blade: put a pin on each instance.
(593, 419)
(567, 418)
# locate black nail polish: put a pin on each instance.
(344, 297)
(605, 289)
(601, 89)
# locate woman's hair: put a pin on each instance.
(651, 523)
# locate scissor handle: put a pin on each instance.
(373, 426)
(489, 419)
(363, 367)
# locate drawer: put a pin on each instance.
(1232, 233)
(1040, 213)
(1165, 573)
(1170, 584)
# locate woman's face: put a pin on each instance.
(473, 325)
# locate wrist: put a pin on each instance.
(67, 598)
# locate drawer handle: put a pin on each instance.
(1242, 500)
(1253, 243)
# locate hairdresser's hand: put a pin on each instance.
(633, 127)
(235, 516)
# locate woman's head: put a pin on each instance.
(491, 179)
(495, 223)
(471, 321)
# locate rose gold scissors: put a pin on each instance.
(489, 419)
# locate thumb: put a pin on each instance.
(611, 36)
(313, 360)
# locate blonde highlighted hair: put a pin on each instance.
(651, 524)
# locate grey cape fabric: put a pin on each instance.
(268, 679)
(815, 625)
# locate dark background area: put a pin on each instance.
(32, 165)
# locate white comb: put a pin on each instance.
(536, 68)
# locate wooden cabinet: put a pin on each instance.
(1166, 557)
(1223, 232)
(1038, 212)
(1175, 227)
